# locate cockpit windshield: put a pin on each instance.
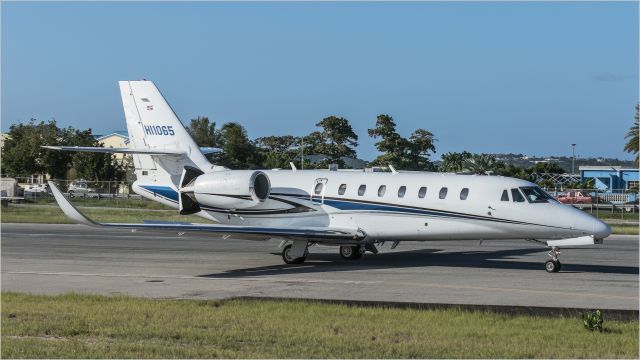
(535, 194)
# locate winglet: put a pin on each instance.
(68, 209)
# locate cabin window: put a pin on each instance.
(342, 189)
(401, 191)
(517, 196)
(422, 192)
(362, 189)
(443, 193)
(505, 196)
(318, 189)
(464, 193)
(381, 190)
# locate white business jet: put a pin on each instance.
(353, 210)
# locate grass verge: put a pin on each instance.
(117, 203)
(54, 215)
(625, 229)
(91, 326)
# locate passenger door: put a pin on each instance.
(319, 187)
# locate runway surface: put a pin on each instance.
(55, 259)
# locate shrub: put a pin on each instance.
(593, 320)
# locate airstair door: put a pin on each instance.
(317, 192)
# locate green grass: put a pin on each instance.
(617, 215)
(91, 326)
(625, 229)
(53, 215)
(117, 202)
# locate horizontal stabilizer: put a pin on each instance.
(210, 150)
(116, 150)
(244, 232)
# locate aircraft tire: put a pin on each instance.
(552, 266)
(290, 260)
(350, 252)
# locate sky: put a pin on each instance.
(490, 77)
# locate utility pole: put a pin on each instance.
(573, 159)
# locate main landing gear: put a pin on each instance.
(287, 255)
(554, 264)
(356, 251)
(351, 252)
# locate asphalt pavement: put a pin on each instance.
(53, 259)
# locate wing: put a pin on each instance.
(247, 232)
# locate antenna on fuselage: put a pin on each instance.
(393, 170)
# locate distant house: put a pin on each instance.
(611, 178)
(116, 139)
(3, 137)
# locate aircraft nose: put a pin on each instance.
(600, 229)
(590, 225)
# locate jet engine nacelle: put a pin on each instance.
(231, 189)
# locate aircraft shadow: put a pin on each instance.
(503, 259)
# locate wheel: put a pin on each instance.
(552, 266)
(290, 259)
(350, 252)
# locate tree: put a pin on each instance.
(483, 164)
(238, 152)
(454, 162)
(202, 131)
(338, 140)
(632, 135)
(546, 168)
(278, 151)
(94, 166)
(405, 154)
(421, 146)
(23, 154)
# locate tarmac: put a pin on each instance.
(54, 259)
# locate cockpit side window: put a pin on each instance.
(505, 196)
(535, 194)
(517, 196)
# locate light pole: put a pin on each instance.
(573, 159)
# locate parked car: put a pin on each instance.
(575, 197)
(80, 187)
(37, 189)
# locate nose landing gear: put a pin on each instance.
(554, 264)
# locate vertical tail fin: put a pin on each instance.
(152, 124)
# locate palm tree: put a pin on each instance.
(482, 164)
(632, 136)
